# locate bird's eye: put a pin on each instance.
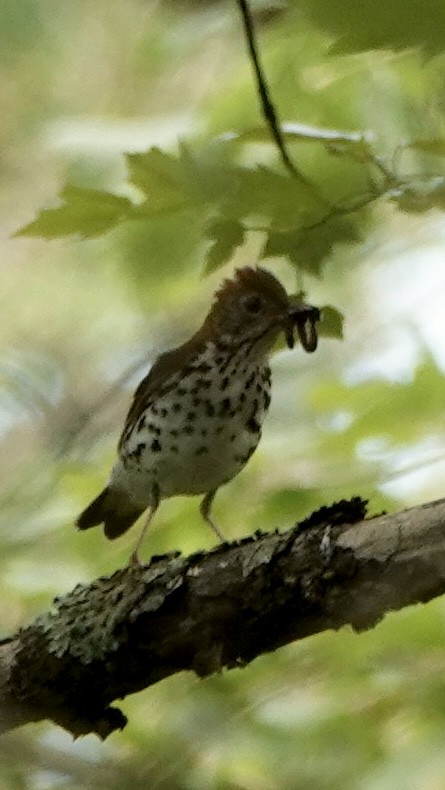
(253, 304)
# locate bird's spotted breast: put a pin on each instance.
(203, 429)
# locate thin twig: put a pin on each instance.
(268, 109)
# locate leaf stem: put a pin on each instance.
(267, 106)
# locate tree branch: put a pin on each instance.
(125, 632)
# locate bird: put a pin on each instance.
(196, 418)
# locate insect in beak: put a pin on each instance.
(304, 317)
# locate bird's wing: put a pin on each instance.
(162, 369)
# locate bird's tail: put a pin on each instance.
(112, 509)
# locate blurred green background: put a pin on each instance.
(81, 84)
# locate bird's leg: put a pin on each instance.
(205, 508)
(155, 499)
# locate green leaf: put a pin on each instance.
(171, 184)
(399, 24)
(435, 146)
(354, 144)
(331, 324)
(280, 200)
(161, 178)
(418, 197)
(227, 235)
(308, 248)
(87, 212)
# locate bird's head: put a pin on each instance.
(254, 308)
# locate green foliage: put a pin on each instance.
(331, 322)
(420, 196)
(20, 26)
(81, 323)
(309, 248)
(85, 212)
(435, 146)
(288, 211)
(166, 182)
(226, 236)
(402, 421)
(395, 25)
(229, 200)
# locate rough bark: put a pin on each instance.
(218, 609)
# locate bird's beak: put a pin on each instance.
(303, 317)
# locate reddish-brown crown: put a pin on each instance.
(251, 304)
(257, 280)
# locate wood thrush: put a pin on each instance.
(196, 417)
